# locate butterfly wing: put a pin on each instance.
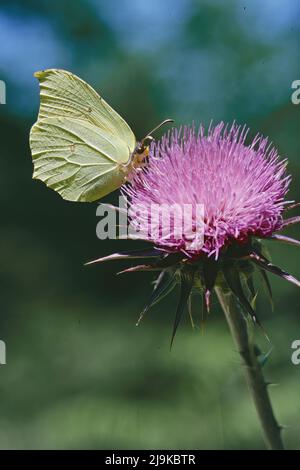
(79, 144)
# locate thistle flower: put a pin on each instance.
(241, 187)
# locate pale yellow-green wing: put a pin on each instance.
(75, 158)
(79, 144)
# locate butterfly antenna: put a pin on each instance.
(166, 121)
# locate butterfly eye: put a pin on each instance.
(147, 141)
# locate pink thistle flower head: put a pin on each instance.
(241, 189)
(240, 186)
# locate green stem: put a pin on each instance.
(255, 379)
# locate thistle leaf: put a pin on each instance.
(187, 282)
(263, 263)
(284, 239)
(207, 294)
(267, 287)
(167, 261)
(292, 206)
(253, 301)
(204, 311)
(164, 285)
(148, 253)
(210, 272)
(263, 357)
(291, 221)
(140, 267)
(190, 310)
(251, 287)
(233, 280)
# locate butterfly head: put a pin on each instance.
(142, 149)
(144, 145)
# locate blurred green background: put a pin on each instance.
(79, 374)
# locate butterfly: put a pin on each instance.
(80, 146)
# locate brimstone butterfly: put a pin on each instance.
(80, 146)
